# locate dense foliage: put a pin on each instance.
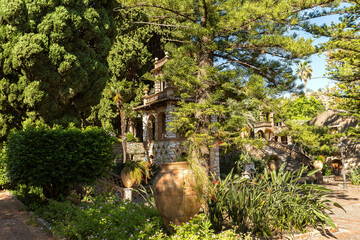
(4, 180)
(301, 108)
(315, 140)
(234, 161)
(354, 175)
(216, 47)
(271, 203)
(108, 217)
(52, 59)
(56, 159)
(343, 54)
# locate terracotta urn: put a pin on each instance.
(318, 164)
(174, 194)
(126, 178)
(272, 165)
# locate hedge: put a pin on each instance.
(55, 159)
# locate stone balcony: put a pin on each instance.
(168, 92)
(263, 124)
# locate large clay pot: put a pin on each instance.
(318, 164)
(126, 179)
(174, 194)
(272, 165)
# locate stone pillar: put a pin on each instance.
(145, 118)
(214, 165)
(169, 118)
(261, 116)
(157, 86)
(290, 141)
(127, 194)
(272, 119)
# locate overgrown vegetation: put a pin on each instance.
(354, 175)
(56, 159)
(271, 203)
(108, 217)
(315, 140)
(234, 161)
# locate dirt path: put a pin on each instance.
(13, 221)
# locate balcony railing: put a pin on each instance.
(168, 92)
(262, 124)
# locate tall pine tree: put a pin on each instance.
(343, 52)
(217, 47)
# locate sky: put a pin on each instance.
(318, 62)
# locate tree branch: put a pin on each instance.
(175, 40)
(161, 24)
(157, 6)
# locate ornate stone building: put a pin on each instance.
(268, 129)
(160, 143)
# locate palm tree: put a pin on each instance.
(304, 71)
(118, 90)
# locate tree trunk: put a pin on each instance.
(123, 129)
(205, 60)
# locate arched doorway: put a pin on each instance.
(260, 134)
(151, 128)
(161, 126)
(336, 166)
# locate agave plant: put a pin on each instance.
(272, 203)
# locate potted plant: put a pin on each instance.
(273, 161)
(319, 162)
(133, 172)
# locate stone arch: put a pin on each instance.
(161, 125)
(151, 128)
(260, 134)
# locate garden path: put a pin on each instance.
(13, 221)
(348, 222)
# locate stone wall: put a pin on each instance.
(135, 151)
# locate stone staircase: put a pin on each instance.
(292, 156)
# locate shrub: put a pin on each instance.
(271, 203)
(199, 228)
(138, 169)
(131, 138)
(101, 217)
(4, 179)
(326, 170)
(55, 159)
(234, 162)
(354, 175)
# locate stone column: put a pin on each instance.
(261, 116)
(272, 119)
(145, 119)
(214, 165)
(169, 118)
